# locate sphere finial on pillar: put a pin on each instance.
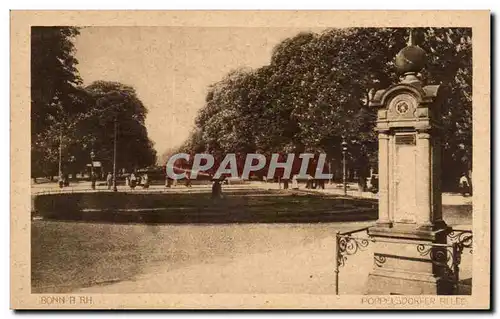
(412, 58)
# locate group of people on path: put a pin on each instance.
(172, 182)
(63, 180)
(94, 178)
(132, 181)
(311, 183)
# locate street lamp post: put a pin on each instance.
(92, 176)
(59, 180)
(344, 172)
(72, 160)
(92, 156)
(114, 156)
(330, 171)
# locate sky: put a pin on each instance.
(172, 67)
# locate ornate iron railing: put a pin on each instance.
(445, 256)
(463, 237)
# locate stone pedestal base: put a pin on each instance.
(400, 283)
(405, 263)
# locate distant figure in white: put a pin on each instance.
(109, 180)
(133, 181)
(464, 185)
(295, 182)
(145, 183)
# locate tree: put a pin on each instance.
(317, 88)
(450, 63)
(68, 121)
(55, 93)
(54, 77)
(113, 101)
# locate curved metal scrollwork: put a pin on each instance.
(446, 257)
(440, 256)
(461, 237)
(350, 246)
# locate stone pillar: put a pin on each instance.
(423, 182)
(408, 126)
(392, 186)
(383, 180)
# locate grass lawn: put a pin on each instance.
(235, 206)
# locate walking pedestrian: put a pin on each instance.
(216, 189)
(285, 183)
(133, 181)
(109, 180)
(93, 179)
(321, 184)
(464, 185)
(295, 182)
(60, 181)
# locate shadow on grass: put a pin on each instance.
(255, 206)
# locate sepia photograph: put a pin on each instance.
(324, 161)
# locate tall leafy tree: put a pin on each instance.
(116, 102)
(55, 93)
(68, 121)
(317, 88)
(54, 77)
(450, 63)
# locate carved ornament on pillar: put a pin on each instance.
(402, 106)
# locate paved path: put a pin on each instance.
(277, 259)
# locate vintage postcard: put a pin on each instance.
(250, 160)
